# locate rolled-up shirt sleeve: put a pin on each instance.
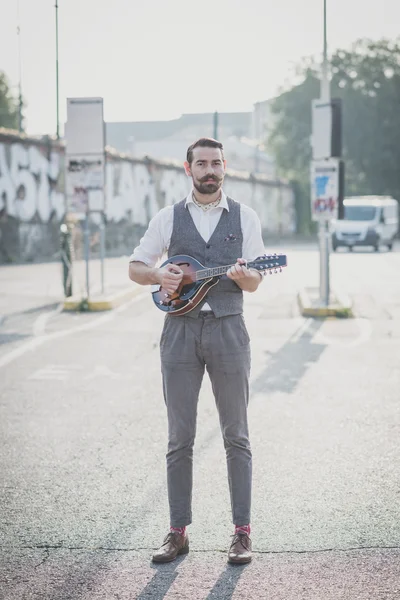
(155, 241)
(253, 244)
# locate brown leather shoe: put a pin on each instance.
(240, 550)
(173, 545)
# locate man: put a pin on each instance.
(216, 231)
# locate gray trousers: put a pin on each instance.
(188, 346)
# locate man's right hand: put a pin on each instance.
(169, 277)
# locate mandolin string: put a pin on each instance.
(213, 271)
(201, 274)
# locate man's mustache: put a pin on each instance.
(208, 179)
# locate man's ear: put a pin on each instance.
(224, 165)
(187, 168)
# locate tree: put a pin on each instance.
(367, 78)
(9, 108)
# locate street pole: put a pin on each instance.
(102, 247)
(87, 251)
(19, 72)
(325, 90)
(57, 91)
(324, 229)
(216, 125)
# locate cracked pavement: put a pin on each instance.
(83, 439)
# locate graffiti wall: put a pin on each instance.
(33, 205)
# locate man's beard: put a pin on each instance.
(208, 188)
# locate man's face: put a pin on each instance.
(207, 170)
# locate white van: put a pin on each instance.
(368, 221)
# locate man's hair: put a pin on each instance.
(203, 143)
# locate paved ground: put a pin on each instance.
(83, 437)
(37, 288)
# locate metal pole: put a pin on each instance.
(57, 91)
(87, 252)
(324, 247)
(102, 249)
(103, 217)
(19, 72)
(325, 92)
(216, 125)
(324, 227)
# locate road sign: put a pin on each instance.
(84, 129)
(325, 189)
(85, 154)
(85, 168)
(84, 174)
(321, 139)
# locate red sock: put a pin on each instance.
(180, 530)
(242, 529)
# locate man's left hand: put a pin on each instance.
(247, 279)
(239, 271)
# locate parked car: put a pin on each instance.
(368, 221)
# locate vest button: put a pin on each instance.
(208, 245)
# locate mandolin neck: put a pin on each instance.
(213, 272)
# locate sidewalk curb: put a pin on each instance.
(99, 302)
(340, 307)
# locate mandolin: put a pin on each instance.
(197, 280)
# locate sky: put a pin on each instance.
(158, 59)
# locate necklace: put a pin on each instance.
(206, 207)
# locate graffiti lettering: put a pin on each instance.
(32, 193)
(28, 180)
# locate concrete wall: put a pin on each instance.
(32, 202)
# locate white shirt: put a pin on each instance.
(155, 242)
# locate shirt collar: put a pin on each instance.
(223, 203)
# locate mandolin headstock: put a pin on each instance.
(272, 263)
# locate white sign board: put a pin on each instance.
(85, 155)
(84, 175)
(86, 171)
(84, 129)
(324, 189)
(321, 139)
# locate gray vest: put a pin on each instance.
(223, 248)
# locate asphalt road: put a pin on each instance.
(83, 439)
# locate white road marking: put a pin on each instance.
(39, 340)
(103, 371)
(302, 329)
(54, 372)
(39, 325)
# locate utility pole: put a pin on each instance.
(324, 226)
(327, 168)
(57, 91)
(215, 125)
(20, 103)
(325, 88)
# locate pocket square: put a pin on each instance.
(230, 238)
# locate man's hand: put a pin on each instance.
(239, 271)
(169, 277)
(247, 279)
